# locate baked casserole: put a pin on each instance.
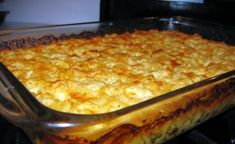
(101, 75)
(107, 73)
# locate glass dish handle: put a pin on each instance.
(15, 100)
(19, 106)
(8, 105)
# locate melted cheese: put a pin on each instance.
(104, 74)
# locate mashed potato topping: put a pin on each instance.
(107, 73)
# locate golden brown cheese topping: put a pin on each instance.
(104, 74)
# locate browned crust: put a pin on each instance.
(28, 42)
(126, 132)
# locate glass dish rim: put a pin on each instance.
(175, 19)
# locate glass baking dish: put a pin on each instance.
(153, 121)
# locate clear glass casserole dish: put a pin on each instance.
(153, 121)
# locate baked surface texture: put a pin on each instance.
(107, 73)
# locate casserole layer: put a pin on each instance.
(107, 73)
